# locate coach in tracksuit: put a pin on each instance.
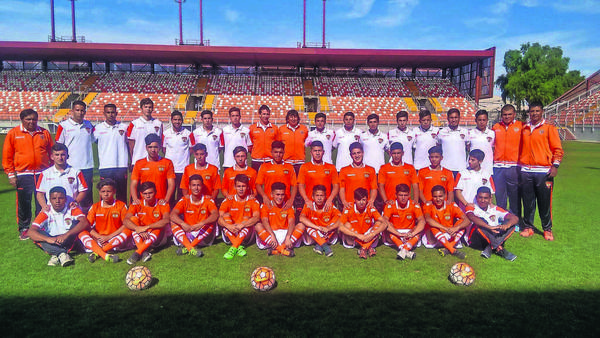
(26, 154)
(541, 154)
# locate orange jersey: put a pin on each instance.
(228, 186)
(541, 147)
(352, 178)
(210, 176)
(145, 214)
(294, 139)
(106, 219)
(390, 176)
(270, 172)
(312, 174)
(446, 216)
(194, 213)
(262, 138)
(507, 143)
(278, 218)
(321, 217)
(429, 178)
(403, 218)
(360, 222)
(154, 171)
(25, 152)
(240, 210)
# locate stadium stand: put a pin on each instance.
(13, 102)
(128, 105)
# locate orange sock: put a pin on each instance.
(314, 234)
(411, 243)
(90, 243)
(397, 241)
(117, 240)
(204, 232)
(447, 245)
(179, 233)
(141, 244)
(264, 235)
(297, 234)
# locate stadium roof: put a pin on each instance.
(580, 88)
(239, 56)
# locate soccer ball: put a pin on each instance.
(138, 278)
(263, 279)
(462, 274)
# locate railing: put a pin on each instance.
(313, 45)
(192, 42)
(80, 38)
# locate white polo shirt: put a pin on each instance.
(483, 140)
(112, 145)
(78, 139)
(326, 136)
(177, 147)
(374, 146)
(57, 223)
(469, 180)
(406, 138)
(454, 146)
(71, 179)
(423, 141)
(232, 137)
(342, 141)
(137, 130)
(494, 215)
(212, 140)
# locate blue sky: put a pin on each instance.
(395, 24)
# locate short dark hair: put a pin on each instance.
(373, 116)
(242, 178)
(278, 186)
(146, 185)
(264, 107)
(239, 149)
(508, 107)
(438, 188)
(402, 113)
(291, 113)
(478, 154)
(360, 193)
(319, 187)
(207, 112)
(319, 115)
(106, 181)
(58, 189)
(452, 111)
(355, 145)
(423, 113)
(110, 105)
(26, 112)
(349, 113)
(176, 113)
(196, 177)
(78, 103)
(536, 104)
(146, 101)
(277, 145)
(232, 109)
(151, 138)
(435, 150)
(199, 146)
(484, 190)
(60, 147)
(402, 187)
(481, 112)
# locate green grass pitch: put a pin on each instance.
(552, 289)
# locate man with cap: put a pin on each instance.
(153, 168)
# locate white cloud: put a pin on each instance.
(398, 11)
(231, 15)
(579, 6)
(359, 8)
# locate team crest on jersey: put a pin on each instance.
(71, 180)
(284, 214)
(68, 222)
(484, 181)
(380, 140)
(327, 172)
(161, 168)
(516, 129)
(462, 136)
(489, 139)
(247, 209)
(408, 216)
(115, 215)
(184, 139)
(541, 132)
(326, 219)
(493, 218)
(356, 137)
(203, 211)
(406, 172)
(286, 172)
(443, 178)
(367, 175)
(447, 217)
(328, 136)
(215, 137)
(409, 138)
(121, 132)
(243, 134)
(157, 128)
(207, 177)
(156, 214)
(89, 131)
(368, 221)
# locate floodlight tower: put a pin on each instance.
(323, 24)
(304, 26)
(74, 39)
(180, 2)
(53, 36)
(201, 26)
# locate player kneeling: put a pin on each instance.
(446, 221)
(403, 214)
(494, 224)
(147, 221)
(321, 224)
(362, 225)
(278, 231)
(106, 218)
(199, 216)
(56, 229)
(238, 216)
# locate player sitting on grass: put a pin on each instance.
(199, 216)
(56, 229)
(362, 225)
(106, 219)
(471, 179)
(321, 224)
(407, 222)
(237, 217)
(278, 231)
(446, 221)
(493, 223)
(147, 221)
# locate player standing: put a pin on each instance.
(141, 127)
(453, 139)
(375, 143)
(262, 135)
(318, 172)
(425, 138)
(234, 135)
(434, 175)
(153, 168)
(277, 171)
(403, 135)
(210, 136)
(481, 137)
(323, 134)
(208, 172)
(176, 147)
(344, 137)
(357, 175)
(240, 154)
(293, 134)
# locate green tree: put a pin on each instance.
(536, 73)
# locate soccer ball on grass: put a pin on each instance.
(263, 279)
(138, 278)
(462, 274)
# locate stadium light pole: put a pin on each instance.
(304, 25)
(323, 24)
(73, 20)
(201, 26)
(53, 34)
(180, 2)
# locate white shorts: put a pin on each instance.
(279, 236)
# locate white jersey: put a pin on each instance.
(78, 139)
(483, 140)
(177, 148)
(493, 216)
(212, 140)
(232, 137)
(374, 147)
(326, 137)
(70, 179)
(454, 147)
(423, 141)
(342, 141)
(406, 138)
(57, 223)
(469, 180)
(138, 130)
(112, 145)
